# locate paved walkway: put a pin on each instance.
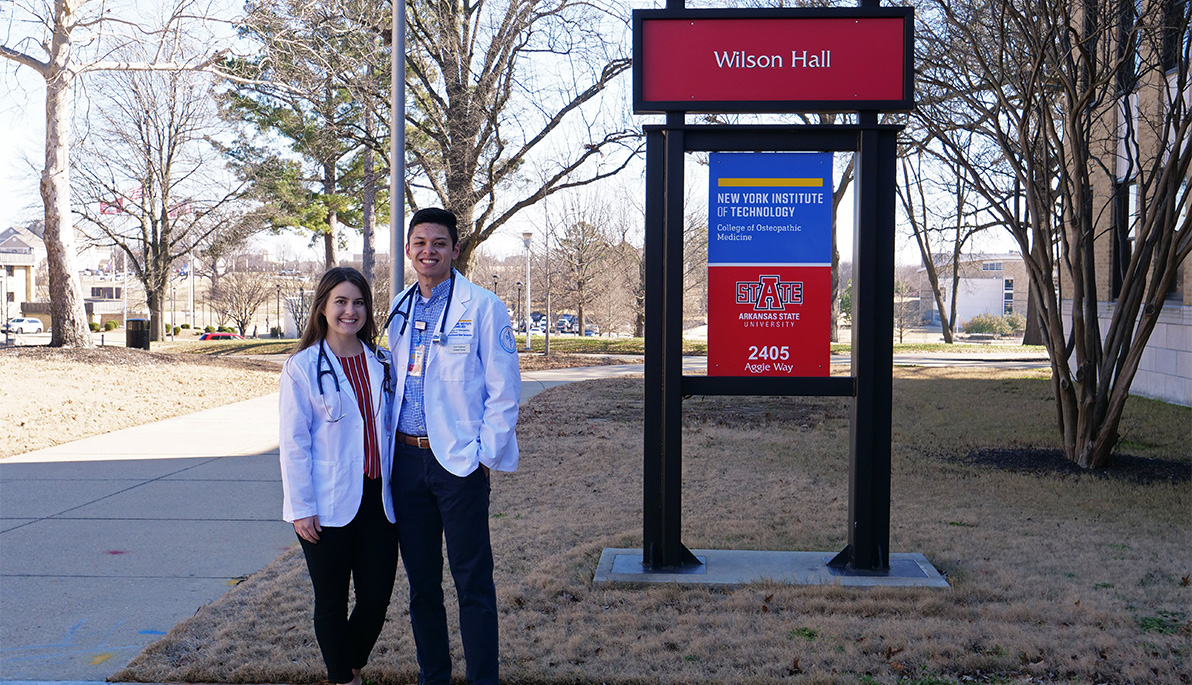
(108, 542)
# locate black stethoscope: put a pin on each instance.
(407, 298)
(320, 372)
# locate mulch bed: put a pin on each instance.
(1043, 462)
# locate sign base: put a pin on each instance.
(731, 568)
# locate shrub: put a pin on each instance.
(177, 330)
(94, 327)
(224, 329)
(184, 326)
(1016, 321)
(111, 325)
(209, 329)
(987, 324)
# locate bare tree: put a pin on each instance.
(482, 111)
(942, 222)
(71, 38)
(906, 308)
(150, 179)
(1087, 107)
(241, 294)
(582, 254)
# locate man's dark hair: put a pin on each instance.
(435, 215)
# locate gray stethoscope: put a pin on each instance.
(320, 372)
(408, 299)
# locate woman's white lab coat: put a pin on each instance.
(322, 461)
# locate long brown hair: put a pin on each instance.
(316, 322)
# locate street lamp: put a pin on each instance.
(495, 285)
(279, 326)
(526, 235)
(517, 302)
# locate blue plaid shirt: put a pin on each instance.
(412, 419)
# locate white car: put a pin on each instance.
(24, 326)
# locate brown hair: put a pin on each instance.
(316, 322)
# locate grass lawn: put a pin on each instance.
(1055, 578)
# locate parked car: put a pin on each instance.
(566, 324)
(24, 325)
(221, 336)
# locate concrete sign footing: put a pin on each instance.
(730, 568)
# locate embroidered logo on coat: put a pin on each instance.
(507, 342)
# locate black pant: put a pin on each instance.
(364, 551)
(431, 504)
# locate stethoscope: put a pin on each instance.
(386, 385)
(407, 298)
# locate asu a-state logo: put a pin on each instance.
(770, 293)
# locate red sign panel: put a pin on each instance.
(772, 63)
(769, 320)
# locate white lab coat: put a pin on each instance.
(322, 461)
(472, 382)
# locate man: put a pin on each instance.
(457, 391)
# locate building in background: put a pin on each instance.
(994, 284)
(21, 251)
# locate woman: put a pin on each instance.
(336, 454)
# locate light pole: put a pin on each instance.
(279, 326)
(495, 285)
(517, 302)
(526, 235)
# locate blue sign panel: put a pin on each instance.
(770, 208)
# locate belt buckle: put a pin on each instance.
(423, 442)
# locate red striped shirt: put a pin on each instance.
(356, 370)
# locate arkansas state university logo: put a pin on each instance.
(769, 293)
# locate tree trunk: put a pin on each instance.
(369, 200)
(332, 234)
(1033, 335)
(157, 324)
(68, 318)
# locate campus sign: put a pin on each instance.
(770, 61)
(769, 264)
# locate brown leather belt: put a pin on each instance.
(420, 441)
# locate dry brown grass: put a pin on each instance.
(51, 396)
(1053, 578)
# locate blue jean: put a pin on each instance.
(432, 503)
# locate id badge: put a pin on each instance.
(416, 363)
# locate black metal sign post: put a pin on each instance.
(873, 355)
(870, 385)
(873, 333)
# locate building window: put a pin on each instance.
(12, 297)
(1125, 220)
(1175, 33)
(7, 269)
(1126, 79)
(1008, 296)
(991, 266)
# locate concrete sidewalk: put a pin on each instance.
(108, 542)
